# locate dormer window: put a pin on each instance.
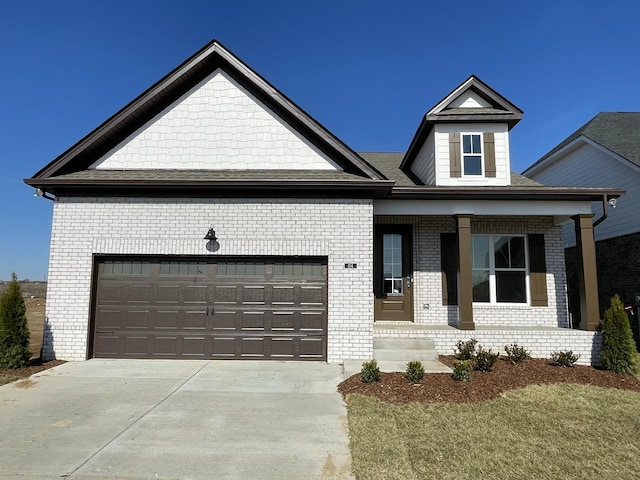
(472, 154)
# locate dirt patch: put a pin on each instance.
(26, 383)
(7, 376)
(440, 387)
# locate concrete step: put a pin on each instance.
(404, 343)
(404, 354)
(353, 367)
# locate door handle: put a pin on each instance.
(408, 281)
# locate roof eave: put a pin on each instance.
(502, 193)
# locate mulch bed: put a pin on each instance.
(441, 388)
(30, 370)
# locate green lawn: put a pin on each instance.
(540, 432)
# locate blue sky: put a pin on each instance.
(367, 71)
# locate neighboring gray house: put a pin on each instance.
(603, 152)
(211, 217)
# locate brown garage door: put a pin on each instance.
(214, 308)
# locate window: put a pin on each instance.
(392, 263)
(499, 268)
(472, 154)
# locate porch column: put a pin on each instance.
(465, 283)
(587, 273)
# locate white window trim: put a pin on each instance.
(462, 135)
(492, 270)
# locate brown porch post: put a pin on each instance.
(465, 283)
(587, 273)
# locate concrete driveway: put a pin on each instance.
(175, 419)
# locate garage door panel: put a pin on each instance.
(254, 321)
(225, 294)
(109, 319)
(252, 347)
(311, 347)
(312, 321)
(195, 294)
(139, 293)
(253, 295)
(224, 320)
(212, 307)
(137, 319)
(168, 294)
(193, 346)
(282, 321)
(195, 319)
(312, 295)
(224, 347)
(167, 319)
(282, 295)
(283, 347)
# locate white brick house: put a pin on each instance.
(311, 249)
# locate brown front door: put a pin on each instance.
(393, 272)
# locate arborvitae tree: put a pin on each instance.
(14, 332)
(618, 348)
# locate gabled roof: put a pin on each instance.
(169, 89)
(618, 132)
(499, 109)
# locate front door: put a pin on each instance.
(392, 272)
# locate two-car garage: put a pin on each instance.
(209, 307)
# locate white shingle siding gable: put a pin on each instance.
(424, 166)
(470, 100)
(590, 166)
(216, 125)
(442, 162)
(339, 229)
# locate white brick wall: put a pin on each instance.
(216, 125)
(427, 277)
(336, 228)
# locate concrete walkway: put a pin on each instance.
(172, 419)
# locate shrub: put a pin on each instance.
(14, 333)
(484, 360)
(462, 370)
(564, 359)
(370, 372)
(466, 350)
(618, 348)
(414, 372)
(516, 353)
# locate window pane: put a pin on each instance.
(472, 165)
(480, 280)
(501, 247)
(466, 144)
(388, 286)
(480, 246)
(476, 144)
(397, 286)
(517, 252)
(510, 287)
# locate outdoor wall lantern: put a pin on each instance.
(211, 235)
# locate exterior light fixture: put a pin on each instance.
(613, 202)
(38, 192)
(211, 235)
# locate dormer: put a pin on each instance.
(464, 139)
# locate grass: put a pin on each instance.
(540, 432)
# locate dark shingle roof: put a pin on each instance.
(388, 163)
(616, 131)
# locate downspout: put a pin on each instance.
(605, 211)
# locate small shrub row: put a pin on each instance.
(479, 358)
(370, 372)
